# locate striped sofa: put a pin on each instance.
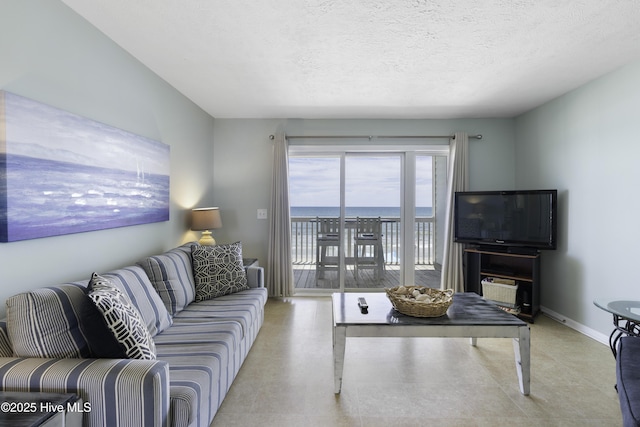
(46, 345)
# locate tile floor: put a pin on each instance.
(287, 379)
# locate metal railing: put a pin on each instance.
(304, 231)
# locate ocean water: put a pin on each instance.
(63, 198)
(373, 212)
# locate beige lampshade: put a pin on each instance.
(205, 219)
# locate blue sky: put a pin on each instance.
(370, 181)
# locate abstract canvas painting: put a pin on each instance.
(61, 173)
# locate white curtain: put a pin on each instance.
(458, 180)
(279, 268)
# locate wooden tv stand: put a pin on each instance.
(524, 268)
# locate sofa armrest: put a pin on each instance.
(255, 277)
(116, 392)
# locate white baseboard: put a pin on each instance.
(591, 333)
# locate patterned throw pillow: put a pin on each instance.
(122, 319)
(218, 270)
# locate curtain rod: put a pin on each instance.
(370, 137)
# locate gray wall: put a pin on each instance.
(585, 144)
(243, 153)
(50, 54)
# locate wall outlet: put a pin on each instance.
(262, 214)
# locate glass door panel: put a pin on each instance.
(431, 190)
(372, 221)
(398, 194)
(314, 197)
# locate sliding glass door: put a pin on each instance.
(365, 220)
(372, 220)
(315, 197)
(430, 210)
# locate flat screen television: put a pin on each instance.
(519, 219)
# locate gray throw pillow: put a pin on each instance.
(218, 270)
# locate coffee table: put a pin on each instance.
(469, 316)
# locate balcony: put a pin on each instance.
(303, 242)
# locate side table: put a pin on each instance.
(40, 409)
(626, 319)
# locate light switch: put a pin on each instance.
(262, 214)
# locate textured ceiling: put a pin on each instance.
(371, 58)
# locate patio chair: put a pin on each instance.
(368, 253)
(327, 237)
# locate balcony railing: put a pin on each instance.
(304, 231)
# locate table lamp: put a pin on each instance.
(206, 219)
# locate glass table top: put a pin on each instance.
(624, 308)
(467, 309)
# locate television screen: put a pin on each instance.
(507, 218)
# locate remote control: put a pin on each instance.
(362, 303)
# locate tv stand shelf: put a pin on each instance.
(524, 268)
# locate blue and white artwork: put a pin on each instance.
(61, 173)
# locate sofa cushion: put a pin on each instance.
(218, 270)
(204, 331)
(171, 274)
(122, 319)
(243, 307)
(5, 344)
(133, 281)
(45, 322)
